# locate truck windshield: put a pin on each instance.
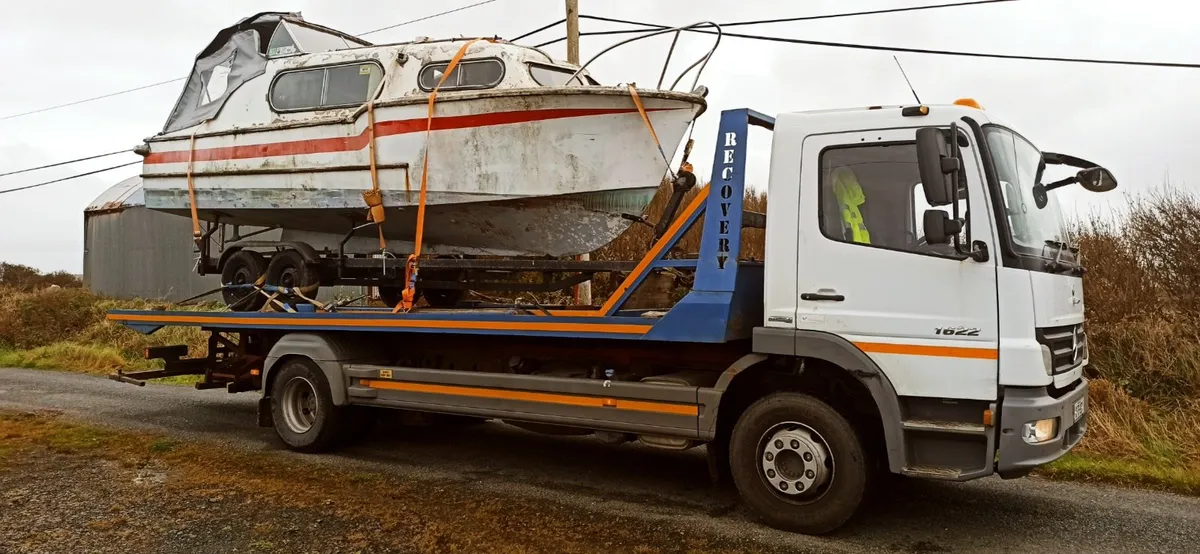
(1016, 162)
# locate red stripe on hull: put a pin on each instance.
(382, 129)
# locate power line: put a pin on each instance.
(419, 19)
(70, 177)
(882, 48)
(26, 170)
(822, 16)
(539, 29)
(143, 87)
(777, 20)
(109, 95)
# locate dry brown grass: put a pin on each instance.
(636, 241)
(1122, 426)
(1143, 297)
(25, 278)
(65, 328)
(1143, 315)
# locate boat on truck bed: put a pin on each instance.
(284, 123)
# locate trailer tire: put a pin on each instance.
(391, 296)
(437, 298)
(302, 407)
(289, 269)
(798, 464)
(443, 298)
(243, 267)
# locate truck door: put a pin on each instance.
(925, 314)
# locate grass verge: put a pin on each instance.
(65, 329)
(1095, 468)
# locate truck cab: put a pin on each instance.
(969, 303)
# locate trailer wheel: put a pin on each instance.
(438, 298)
(243, 267)
(391, 296)
(302, 407)
(288, 269)
(798, 464)
(443, 298)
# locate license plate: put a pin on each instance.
(1080, 407)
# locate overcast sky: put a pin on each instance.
(1139, 122)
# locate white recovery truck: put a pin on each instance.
(918, 312)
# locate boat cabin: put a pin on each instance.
(276, 69)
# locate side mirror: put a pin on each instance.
(936, 165)
(939, 227)
(1096, 179)
(1092, 179)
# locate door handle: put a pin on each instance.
(822, 296)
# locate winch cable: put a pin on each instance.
(408, 297)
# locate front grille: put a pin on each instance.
(1067, 344)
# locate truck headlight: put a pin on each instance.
(1042, 430)
(1047, 360)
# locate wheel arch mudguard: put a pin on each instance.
(330, 351)
(842, 353)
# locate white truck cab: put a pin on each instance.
(968, 298)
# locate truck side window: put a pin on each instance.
(866, 196)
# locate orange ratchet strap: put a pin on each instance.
(410, 266)
(196, 232)
(373, 197)
(637, 101)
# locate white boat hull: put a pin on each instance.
(514, 172)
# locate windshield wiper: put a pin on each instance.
(1058, 265)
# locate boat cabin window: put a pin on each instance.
(216, 81)
(282, 43)
(328, 87)
(293, 37)
(469, 74)
(554, 76)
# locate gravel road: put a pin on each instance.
(651, 485)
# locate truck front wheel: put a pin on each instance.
(302, 407)
(798, 463)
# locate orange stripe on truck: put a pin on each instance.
(400, 322)
(542, 397)
(922, 350)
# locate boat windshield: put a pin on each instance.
(1017, 162)
(555, 76)
(239, 53)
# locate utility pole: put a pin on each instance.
(583, 291)
(573, 31)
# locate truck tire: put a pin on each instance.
(798, 464)
(288, 269)
(302, 407)
(243, 267)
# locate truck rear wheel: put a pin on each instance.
(798, 464)
(244, 267)
(302, 407)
